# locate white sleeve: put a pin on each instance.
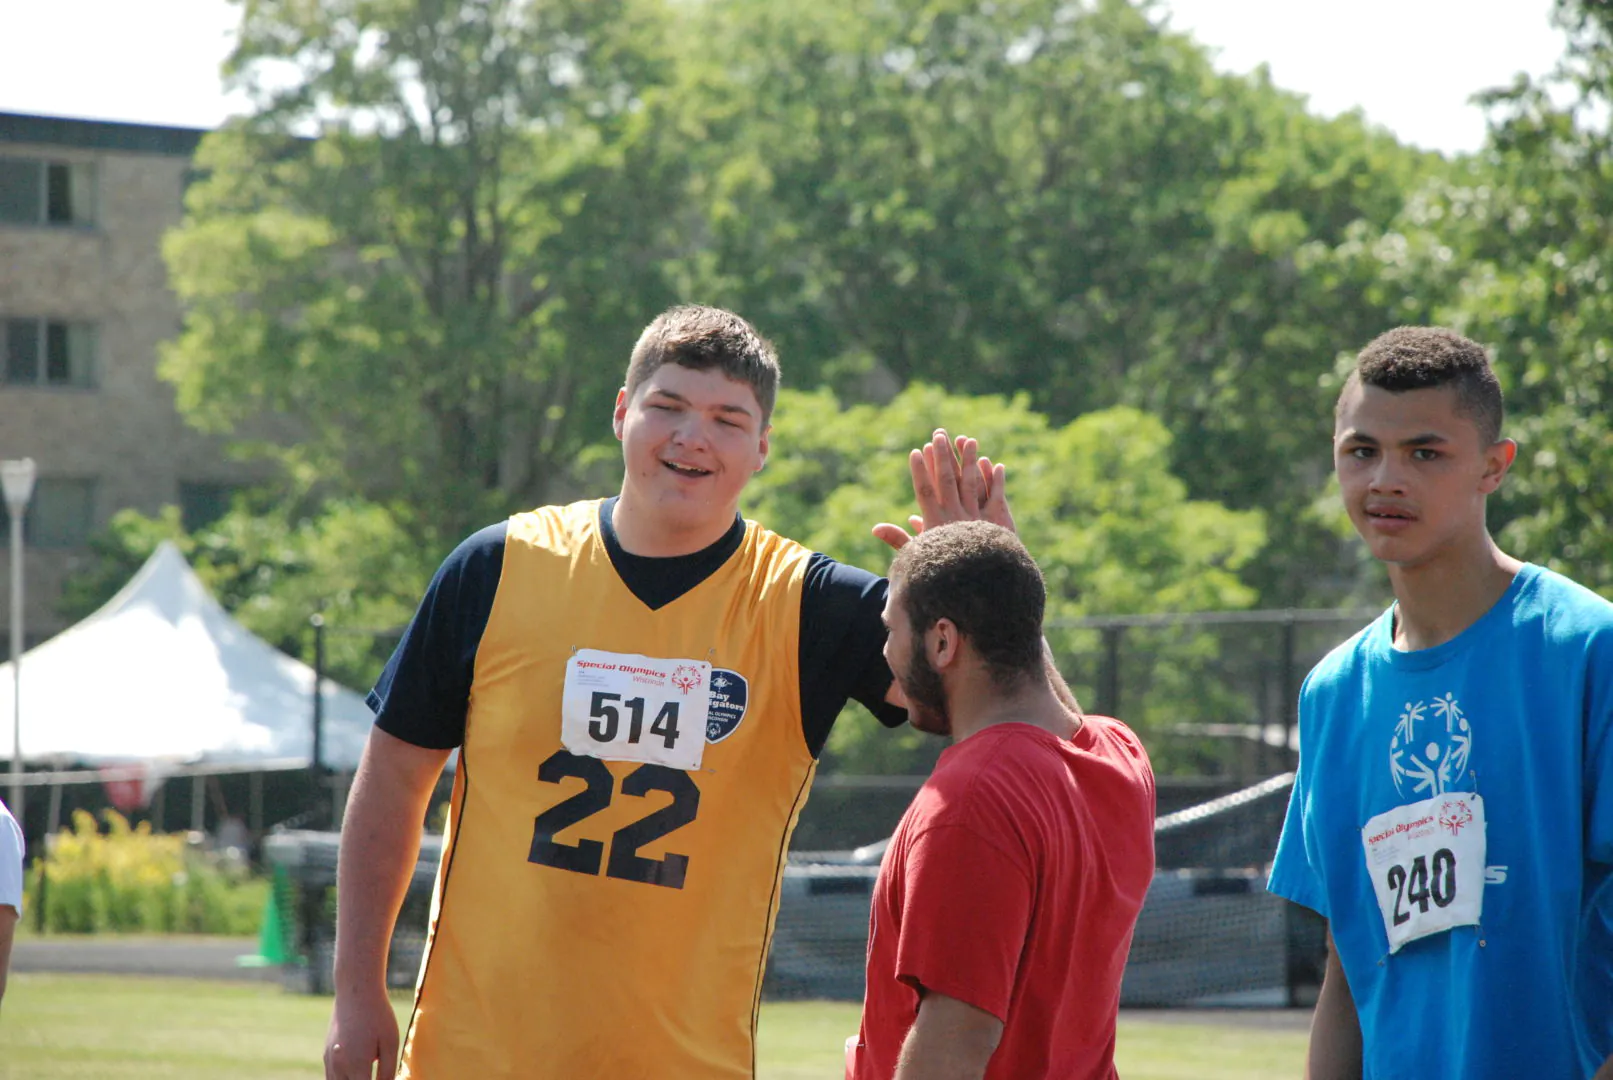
(10, 861)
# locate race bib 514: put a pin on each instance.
(625, 707)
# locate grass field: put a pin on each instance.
(82, 1027)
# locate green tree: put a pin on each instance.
(427, 301)
(1094, 500)
(973, 196)
(1063, 199)
(1514, 249)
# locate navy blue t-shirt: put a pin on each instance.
(424, 691)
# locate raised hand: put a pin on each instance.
(952, 481)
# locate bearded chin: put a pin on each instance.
(928, 720)
(926, 698)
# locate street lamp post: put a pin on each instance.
(17, 477)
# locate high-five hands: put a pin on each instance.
(952, 482)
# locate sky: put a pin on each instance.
(1408, 65)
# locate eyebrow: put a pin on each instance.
(1426, 439)
(720, 407)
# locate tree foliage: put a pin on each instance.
(1065, 200)
(415, 273)
(421, 292)
(1061, 199)
(1094, 500)
(1511, 249)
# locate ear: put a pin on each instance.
(619, 416)
(767, 430)
(944, 643)
(1497, 460)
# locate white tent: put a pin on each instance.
(162, 674)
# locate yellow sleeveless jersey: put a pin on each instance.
(604, 910)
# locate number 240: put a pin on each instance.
(1419, 886)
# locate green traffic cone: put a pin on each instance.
(272, 949)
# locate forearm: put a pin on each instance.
(378, 854)
(380, 845)
(1335, 1050)
(949, 1040)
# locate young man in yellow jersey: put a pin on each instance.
(639, 688)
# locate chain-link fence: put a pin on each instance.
(1212, 694)
(1209, 931)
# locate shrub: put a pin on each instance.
(129, 880)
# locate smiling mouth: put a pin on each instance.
(686, 470)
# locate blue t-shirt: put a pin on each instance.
(423, 693)
(1519, 709)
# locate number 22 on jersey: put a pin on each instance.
(625, 707)
(587, 856)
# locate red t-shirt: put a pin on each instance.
(1013, 883)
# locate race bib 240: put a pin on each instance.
(1426, 862)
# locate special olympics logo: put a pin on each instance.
(685, 678)
(1428, 755)
(1454, 815)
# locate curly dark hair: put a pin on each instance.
(981, 577)
(1420, 357)
(699, 337)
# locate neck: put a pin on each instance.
(1440, 598)
(641, 531)
(979, 703)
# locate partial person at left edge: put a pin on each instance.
(11, 872)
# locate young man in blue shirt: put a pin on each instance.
(1452, 816)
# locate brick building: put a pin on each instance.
(84, 305)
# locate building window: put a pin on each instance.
(60, 516)
(202, 502)
(35, 192)
(47, 352)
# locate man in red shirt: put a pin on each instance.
(1005, 906)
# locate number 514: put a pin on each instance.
(607, 719)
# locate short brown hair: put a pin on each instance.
(981, 577)
(699, 337)
(1421, 357)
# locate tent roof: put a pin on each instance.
(163, 673)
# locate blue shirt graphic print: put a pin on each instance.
(1431, 748)
(1519, 709)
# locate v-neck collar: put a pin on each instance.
(659, 580)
